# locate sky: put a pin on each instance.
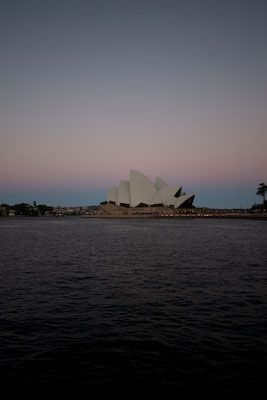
(172, 88)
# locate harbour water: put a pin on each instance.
(134, 306)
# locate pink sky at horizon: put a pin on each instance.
(100, 158)
(89, 93)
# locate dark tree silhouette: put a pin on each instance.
(24, 209)
(261, 190)
(44, 209)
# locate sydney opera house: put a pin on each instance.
(140, 191)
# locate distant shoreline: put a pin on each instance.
(109, 210)
(177, 216)
(254, 216)
(237, 217)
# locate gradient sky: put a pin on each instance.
(92, 89)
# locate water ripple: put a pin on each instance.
(142, 306)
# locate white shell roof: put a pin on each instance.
(180, 200)
(142, 190)
(167, 194)
(160, 183)
(113, 194)
(124, 193)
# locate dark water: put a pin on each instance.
(134, 306)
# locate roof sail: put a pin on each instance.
(160, 183)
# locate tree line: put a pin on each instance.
(28, 209)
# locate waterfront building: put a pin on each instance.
(140, 191)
